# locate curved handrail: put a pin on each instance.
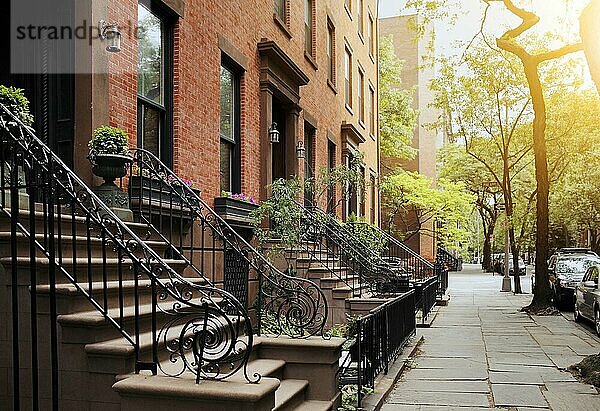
(296, 305)
(363, 262)
(196, 315)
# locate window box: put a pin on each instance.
(154, 192)
(236, 212)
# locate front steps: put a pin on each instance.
(96, 362)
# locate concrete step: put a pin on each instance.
(83, 269)
(70, 246)
(70, 223)
(341, 281)
(313, 405)
(290, 394)
(70, 300)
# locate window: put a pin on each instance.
(361, 96)
(348, 77)
(352, 194)
(359, 16)
(281, 10)
(230, 174)
(372, 119)
(309, 142)
(308, 27)
(331, 52)
(371, 37)
(330, 187)
(155, 82)
(360, 195)
(373, 198)
(348, 5)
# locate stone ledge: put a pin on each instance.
(187, 389)
(316, 350)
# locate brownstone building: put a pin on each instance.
(425, 139)
(200, 84)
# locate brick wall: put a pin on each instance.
(196, 82)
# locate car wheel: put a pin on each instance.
(597, 317)
(576, 313)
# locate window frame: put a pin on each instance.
(309, 28)
(360, 16)
(348, 77)
(372, 111)
(361, 96)
(166, 129)
(373, 182)
(331, 55)
(371, 37)
(237, 72)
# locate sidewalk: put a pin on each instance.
(482, 353)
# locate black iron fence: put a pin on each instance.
(213, 250)
(399, 254)
(61, 233)
(378, 340)
(426, 292)
(447, 259)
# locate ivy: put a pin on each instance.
(16, 102)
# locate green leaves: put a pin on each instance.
(15, 101)
(108, 140)
(397, 118)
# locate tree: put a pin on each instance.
(531, 61)
(397, 118)
(410, 193)
(487, 101)
(458, 166)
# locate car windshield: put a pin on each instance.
(575, 265)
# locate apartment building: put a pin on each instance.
(425, 140)
(200, 84)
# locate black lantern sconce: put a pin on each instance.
(110, 32)
(273, 134)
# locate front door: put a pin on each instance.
(279, 149)
(51, 91)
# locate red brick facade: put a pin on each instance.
(196, 63)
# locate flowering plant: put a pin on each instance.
(240, 196)
(161, 176)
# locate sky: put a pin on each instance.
(555, 15)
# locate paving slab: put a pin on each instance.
(439, 398)
(571, 387)
(465, 374)
(402, 407)
(514, 395)
(567, 401)
(481, 387)
(529, 378)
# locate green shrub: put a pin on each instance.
(16, 102)
(108, 140)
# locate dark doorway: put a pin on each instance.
(279, 149)
(309, 160)
(51, 95)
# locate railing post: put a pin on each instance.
(359, 363)
(385, 339)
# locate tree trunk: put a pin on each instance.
(514, 249)
(542, 297)
(591, 39)
(487, 248)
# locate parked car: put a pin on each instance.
(587, 298)
(566, 270)
(499, 265)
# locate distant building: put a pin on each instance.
(425, 140)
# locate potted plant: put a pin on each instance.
(236, 208)
(109, 153)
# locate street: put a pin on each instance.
(482, 353)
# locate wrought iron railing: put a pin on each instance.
(396, 252)
(377, 342)
(283, 305)
(335, 250)
(61, 232)
(445, 258)
(426, 292)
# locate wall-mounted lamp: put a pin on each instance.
(273, 133)
(110, 32)
(300, 150)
